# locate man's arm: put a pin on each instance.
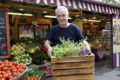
(48, 46)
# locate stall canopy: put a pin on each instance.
(87, 5)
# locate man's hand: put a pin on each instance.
(49, 51)
(86, 50)
(49, 48)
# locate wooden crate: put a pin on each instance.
(73, 68)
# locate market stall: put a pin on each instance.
(93, 18)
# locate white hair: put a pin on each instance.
(62, 7)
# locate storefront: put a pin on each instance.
(95, 19)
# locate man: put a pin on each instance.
(63, 29)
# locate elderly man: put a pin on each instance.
(63, 29)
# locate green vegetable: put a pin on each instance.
(67, 48)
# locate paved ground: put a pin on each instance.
(107, 73)
(103, 72)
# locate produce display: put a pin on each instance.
(35, 77)
(32, 47)
(33, 73)
(9, 70)
(68, 48)
(23, 59)
(19, 54)
(39, 57)
(27, 50)
(17, 49)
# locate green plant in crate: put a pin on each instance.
(39, 57)
(67, 48)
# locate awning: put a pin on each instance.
(94, 6)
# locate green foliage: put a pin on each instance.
(39, 57)
(67, 48)
(32, 47)
(112, 1)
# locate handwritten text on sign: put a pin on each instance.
(3, 34)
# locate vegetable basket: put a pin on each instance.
(73, 68)
(18, 77)
(33, 72)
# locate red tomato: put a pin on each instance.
(13, 67)
(10, 77)
(15, 63)
(28, 78)
(5, 68)
(37, 77)
(5, 75)
(23, 67)
(2, 79)
(1, 63)
(22, 70)
(1, 76)
(3, 72)
(6, 61)
(14, 70)
(15, 74)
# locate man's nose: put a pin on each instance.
(61, 17)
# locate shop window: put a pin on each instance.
(31, 31)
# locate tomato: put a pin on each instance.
(15, 74)
(5, 68)
(23, 67)
(6, 61)
(2, 79)
(18, 73)
(0, 69)
(18, 66)
(15, 63)
(9, 74)
(28, 78)
(5, 75)
(10, 77)
(37, 77)
(8, 69)
(3, 72)
(10, 64)
(14, 70)
(13, 67)
(0, 63)
(1, 76)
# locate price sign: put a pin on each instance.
(4, 33)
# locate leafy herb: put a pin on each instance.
(67, 48)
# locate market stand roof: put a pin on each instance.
(87, 5)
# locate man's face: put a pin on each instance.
(62, 17)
